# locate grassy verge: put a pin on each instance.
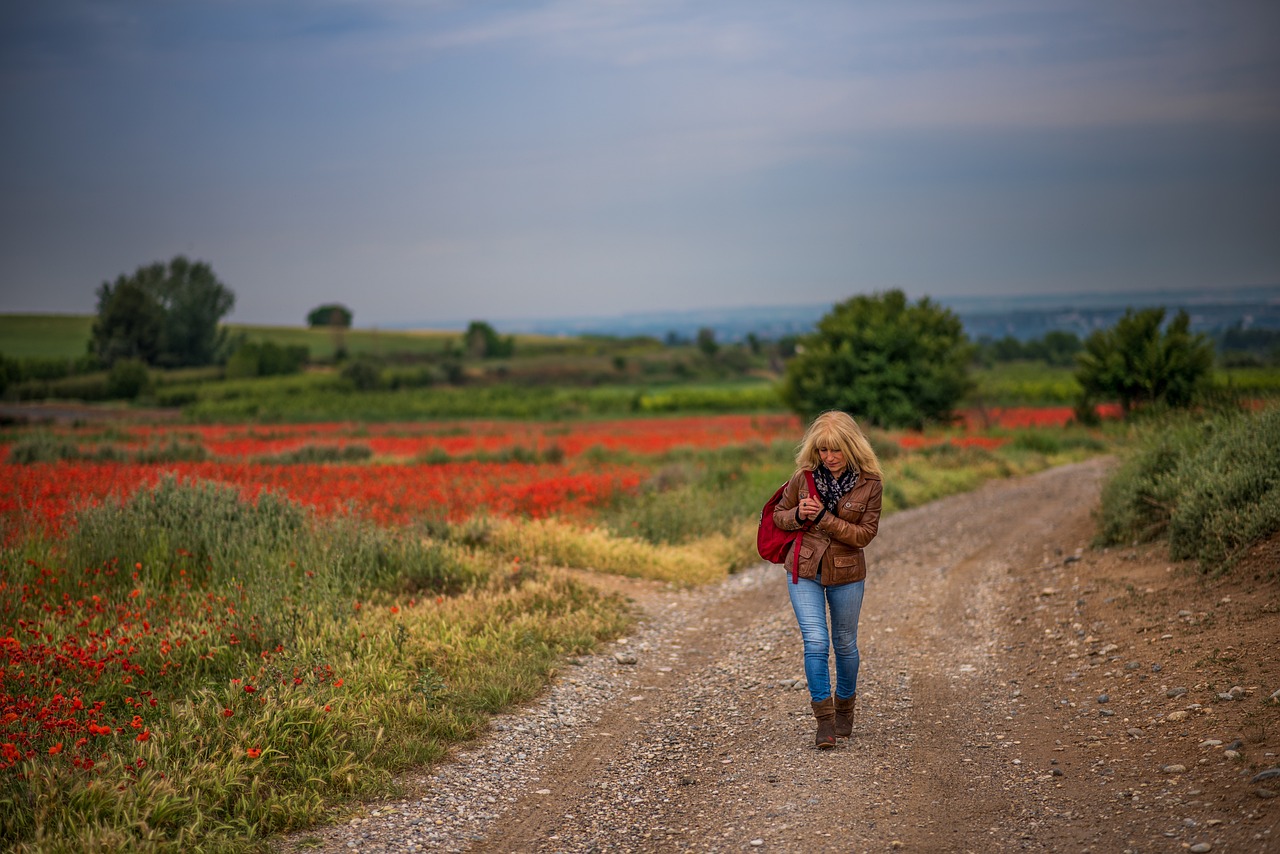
(1209, 485)
(190, 670)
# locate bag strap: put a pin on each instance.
(799, 537)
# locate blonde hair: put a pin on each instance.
(838, 430)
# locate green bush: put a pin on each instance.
(1229, 495)
(363, 374)
(127, 379)
(86, 387)
(1210, 485)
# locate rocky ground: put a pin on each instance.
(1019, 691)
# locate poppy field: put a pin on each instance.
(208, 636)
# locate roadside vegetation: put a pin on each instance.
(1207, 484)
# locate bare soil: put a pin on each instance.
(1020, 690)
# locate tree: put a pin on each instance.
(706, 341)
(481, 341)
(184, 299)
(889, 362)
(129, 325)
(330, 314)
(1139, 361)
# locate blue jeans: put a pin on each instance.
(810, 600)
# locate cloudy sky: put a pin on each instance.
(431, 160)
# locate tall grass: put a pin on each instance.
(190, 670)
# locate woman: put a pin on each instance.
(838, 522)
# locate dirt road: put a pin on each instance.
(1019, 691)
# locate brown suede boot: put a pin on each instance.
(825, 712)
(844, 715)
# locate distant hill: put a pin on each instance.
(1023, 317)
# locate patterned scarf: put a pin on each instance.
(831, 489)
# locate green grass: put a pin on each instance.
(46, 336)
(326, 397)
(1024, 384)
(320, 343)
(67, 336)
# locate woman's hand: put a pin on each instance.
(809, 508)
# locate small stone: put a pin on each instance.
(543, 792)
(1211, 742)
(1179, 715)
(1134, 732)
(1104, 698)
(1264, 793)
(1269, 774)
(1057, 772)
(756, 843)
(1173, 769)
(1175, 692)
(1231, 754)
(625, 657)
(1133, 665)
(1275, 698)
(1155, 668)
(1226, 698)
(1236, 691)
(1106, 713)
(1201, 848)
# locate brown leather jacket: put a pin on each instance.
(835, 544)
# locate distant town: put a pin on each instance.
(1020, 317)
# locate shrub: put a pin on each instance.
(127, 379)
(1141, 362)
(1209, 485)
(889, 362)
(363, 374)
(1229, 492)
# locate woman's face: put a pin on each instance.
(833, 459)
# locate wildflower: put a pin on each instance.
(136, 723)
(395, 609)
(249, 689)
(253, 753)
(145, 735)
(56, 749)
(226, 713)
(337, 683)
